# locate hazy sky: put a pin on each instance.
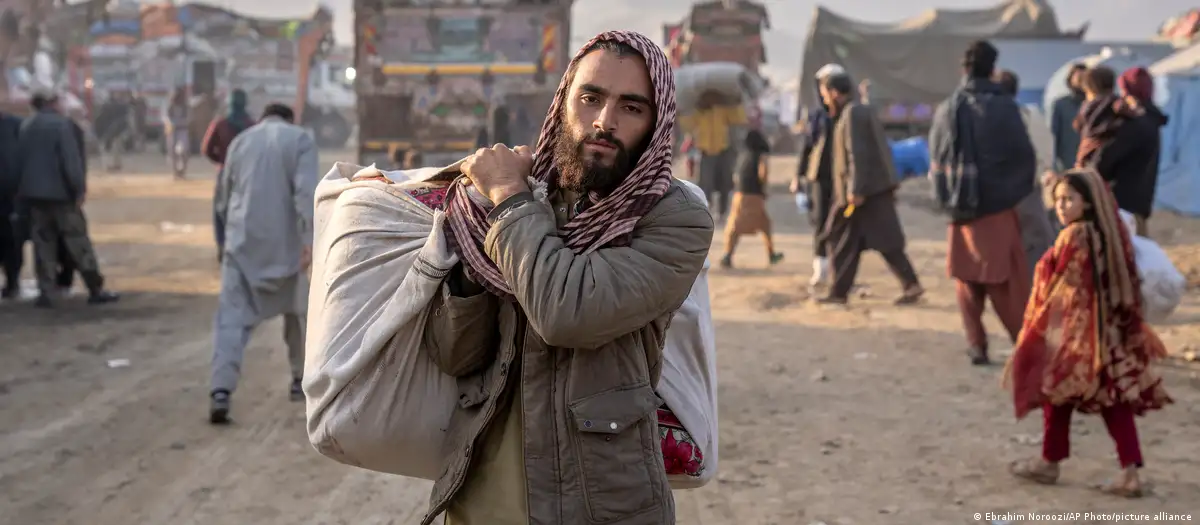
(1110, 19)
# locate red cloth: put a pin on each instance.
(1137, 83)
(988, 250)
(1078, 346)
(218, 138)
(1008, 300)
(681, 454)
(1056, 442)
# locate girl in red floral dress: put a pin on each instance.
(1084, 345)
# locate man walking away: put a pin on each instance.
(216, 143)
(1037, 233)
(863, 212)
(265, 200)
(815, 176)
(749, 215)
(53, 187)
(11, 244)
(982, 167)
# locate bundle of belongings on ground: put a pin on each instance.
(1162, 284)
(376, 400)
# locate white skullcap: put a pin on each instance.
(829, 70)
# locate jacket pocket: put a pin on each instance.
(473, 390)
(614, 442)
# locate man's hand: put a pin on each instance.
(499, 172)
(857, 200)
(794, 187)
(305, 258)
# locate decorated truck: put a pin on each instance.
(209, 51)
(719, 31)
(441, 79)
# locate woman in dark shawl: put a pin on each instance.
(1120, 140)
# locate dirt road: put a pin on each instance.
(865, 416)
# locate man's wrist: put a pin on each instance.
(510, 203)
(501, 194)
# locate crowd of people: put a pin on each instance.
(43, 186)
(1034, 228)
(605, 262)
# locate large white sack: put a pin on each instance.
(375, 399)
(727, 78)
(1163, 285)
(689, 376)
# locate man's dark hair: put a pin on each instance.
(43, 100)
(840, 83)
(282, 111)
(980, 59)
(1100, 80)
(621, 49)
(1076, 68)
(1010, 83)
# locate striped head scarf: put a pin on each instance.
(605, 219)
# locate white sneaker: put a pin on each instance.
(820, 267)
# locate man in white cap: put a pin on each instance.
(815, 179)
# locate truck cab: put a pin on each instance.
(445, 79)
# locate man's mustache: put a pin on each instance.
(603, 136)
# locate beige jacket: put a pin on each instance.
(586, 338)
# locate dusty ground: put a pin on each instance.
(865, 416)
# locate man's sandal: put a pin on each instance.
(1033, 470)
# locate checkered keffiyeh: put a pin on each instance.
(610, 219)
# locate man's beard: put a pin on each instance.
(581, 172)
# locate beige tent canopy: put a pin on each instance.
(917, 61)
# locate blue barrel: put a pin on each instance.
(911, 157)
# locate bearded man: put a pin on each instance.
(555, 320)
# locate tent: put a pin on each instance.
(1179, 165)
(916, 61)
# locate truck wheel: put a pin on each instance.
(331, 131)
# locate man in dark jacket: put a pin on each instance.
(10, 245)
(982, 166)
(815, 179)
(862, 214)
(53, 185)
